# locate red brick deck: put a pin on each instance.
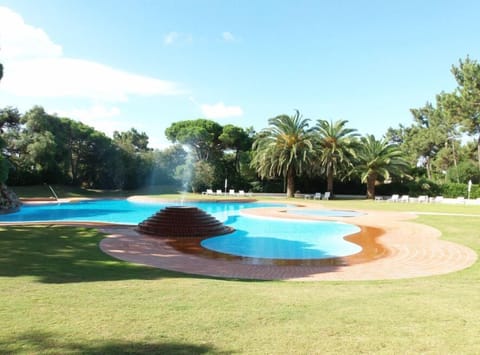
(410, 250)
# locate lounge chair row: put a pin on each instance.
(318, 196)
(420, 199)
(423, 199)
(219, 192)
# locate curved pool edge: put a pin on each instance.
(366, 238)
(414, 250)
(410, 250)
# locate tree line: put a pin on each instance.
(42, 148)
(292, 153)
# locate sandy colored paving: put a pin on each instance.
(407, 250)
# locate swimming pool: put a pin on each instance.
(253, 237)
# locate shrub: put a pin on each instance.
(423, 187)
(453, 190)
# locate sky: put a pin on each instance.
(145, 64)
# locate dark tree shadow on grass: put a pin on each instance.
(42, 342)
(61, 254)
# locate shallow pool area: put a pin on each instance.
(285, 239)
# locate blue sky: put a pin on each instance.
(147, 63)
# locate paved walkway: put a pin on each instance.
(405, 250)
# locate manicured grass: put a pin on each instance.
(64, 191)
(399, 207)
(60, 294)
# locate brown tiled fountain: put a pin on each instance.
(183, 221)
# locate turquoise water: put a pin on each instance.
(116, 211)
(284, 239)
(253, 237)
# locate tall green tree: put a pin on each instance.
(237, 143)
(98, 162)
(9, 119)
(336, 145)
(430, 142)
(202, 176)
(136, 158)
(1, 71)
(377, 161)
(431, 132)
(464, 103)
(165, 163)
(236, 139)
(285, 149)
(92, 157)
(201, 136)
(41, 154)
(55, 149)
(132, 140)
(9, 127)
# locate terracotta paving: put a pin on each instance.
(408, 250)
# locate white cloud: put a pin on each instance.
(92, 113)
(228, 37)
(21, 41)
(101, 117)
(193, 100)
(176, 37)
(219, 110)
(170, 38)
(35, 67)
(67, 77)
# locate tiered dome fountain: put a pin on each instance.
(183, 221)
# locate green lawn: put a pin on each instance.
(63, 191)
(60, 294)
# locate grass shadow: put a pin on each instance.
(47, 343)
(62, 254)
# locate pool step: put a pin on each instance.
(183, 221)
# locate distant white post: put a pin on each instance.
(469, 188)
(226, 184)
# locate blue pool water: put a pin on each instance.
(115, 211)
(253, 237)
(285, 239)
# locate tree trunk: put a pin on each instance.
(73, 165)
(237, 161)
(330, 181)
(290, 182)
(429, 168)
(478, 151)
(455, 161)
(371, 179)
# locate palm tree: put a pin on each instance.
(378, 160)
(336, 145)
(284, 149)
